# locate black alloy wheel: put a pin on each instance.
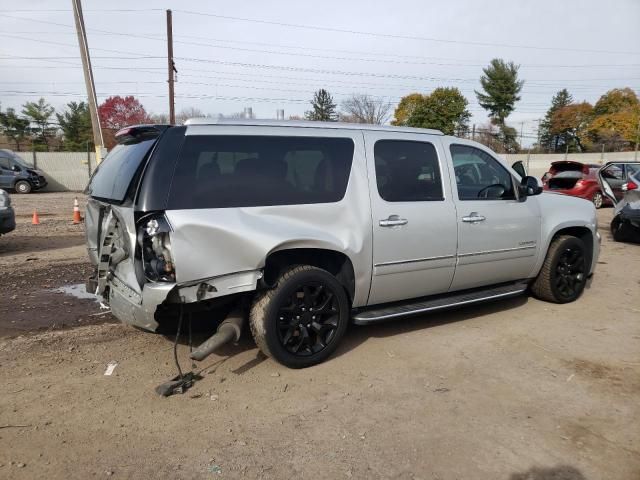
(301, 320)
(308, 319)
(569, 275)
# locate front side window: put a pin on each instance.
(479, 176)
(4, 163)
(223, 171)
(407, 171)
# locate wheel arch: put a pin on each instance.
(582, 232)
(335, 262)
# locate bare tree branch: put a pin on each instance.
(360, 108)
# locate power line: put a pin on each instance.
(150, 37)
(397, 36)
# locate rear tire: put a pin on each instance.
(300, 321)
(597, 199)
(564, 272)
(23, 187)
(621, 230)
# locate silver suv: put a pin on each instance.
(304, 227)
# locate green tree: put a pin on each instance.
(75, 123)
(14, 128)
(39, 114)
(615, 101)
(500, 87)
(323, 107)
(548, 140)
(444, 109)
(406, 107)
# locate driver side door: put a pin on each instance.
(6, 174)
(498, 235)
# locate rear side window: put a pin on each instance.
(113, 176)
(407, 171)
(221, 171)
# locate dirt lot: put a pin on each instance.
(516, 390)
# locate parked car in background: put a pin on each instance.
(7, 215)
(299, 228)
(625, 225)
(576, 179)
(617, 174)
(15, 174)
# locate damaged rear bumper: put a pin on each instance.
(139, 310)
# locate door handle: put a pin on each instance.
(473, 217)
(393, 221)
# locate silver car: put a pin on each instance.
(625, 195)
(300, 228)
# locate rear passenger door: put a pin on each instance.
(498, 235)
(414, 217)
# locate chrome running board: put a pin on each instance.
(389, 311)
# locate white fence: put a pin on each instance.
(69, 171)
(65, 171)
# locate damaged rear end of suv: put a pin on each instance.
(128, 246)
(193, 220)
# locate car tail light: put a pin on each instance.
(630, 185)
(153, 235)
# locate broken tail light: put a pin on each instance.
(155, 242)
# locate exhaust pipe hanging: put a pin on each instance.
(228, 330)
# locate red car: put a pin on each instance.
(576, 179)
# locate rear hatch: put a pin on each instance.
(565, 175)
(564, 180)
(110, 216)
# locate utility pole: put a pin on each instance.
(88, 79)
(521, 128)
(635, 155)
(473, 132)
(171, 68)
(538, 132)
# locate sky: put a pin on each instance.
(274, 55)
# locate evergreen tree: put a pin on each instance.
(548, 139)
(75, 123)
(500, 87)
(39, 114)
(14, 128)
(323, 107)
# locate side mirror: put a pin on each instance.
(528, 187)
(16, 168)
(519, 168)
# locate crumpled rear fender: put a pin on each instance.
(211, 243)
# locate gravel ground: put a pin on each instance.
(35, 260)
(514, 390)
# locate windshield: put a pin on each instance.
(112, 178)
(20, 161)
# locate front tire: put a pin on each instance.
(300, 321)
(23, 187)
(564, 272)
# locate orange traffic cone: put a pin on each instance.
(35, 220)
(76, 212)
